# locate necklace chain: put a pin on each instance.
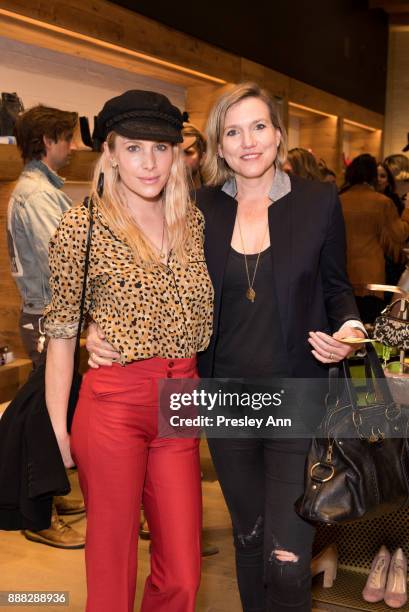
(162, 254)
(250, 293)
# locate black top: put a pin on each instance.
(250, 340)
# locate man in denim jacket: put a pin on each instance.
(44, 137)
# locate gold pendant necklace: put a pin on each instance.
(250, 293)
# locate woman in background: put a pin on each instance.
(302, 162)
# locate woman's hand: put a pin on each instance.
(328, 349)
(65, 450)
(100, 351)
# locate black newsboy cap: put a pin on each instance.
(145, 115)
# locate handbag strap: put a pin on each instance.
(373, 368)
(88, 203)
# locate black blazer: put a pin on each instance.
(308, 249)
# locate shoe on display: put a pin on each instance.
(374, 589)
(326, 562)
(396, 586)
(66, 505)
(59, 534)
(10, 107)
(85, 132)
(77, 141)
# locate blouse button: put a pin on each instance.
(171, 364)
(169, 375)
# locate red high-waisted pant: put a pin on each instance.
(121, 464)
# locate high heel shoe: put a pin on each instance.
(396, 587)
(374, 589)
(326, 561)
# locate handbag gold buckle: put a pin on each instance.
(374, 438)
(324, 465)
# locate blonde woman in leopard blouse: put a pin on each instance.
(149, 291)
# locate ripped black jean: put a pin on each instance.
(261, 479)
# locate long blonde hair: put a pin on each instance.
(215, 169)
(176, 201)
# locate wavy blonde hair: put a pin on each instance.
(176, 201)
(215, 169)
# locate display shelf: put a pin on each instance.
(315, 130)
(359, 138)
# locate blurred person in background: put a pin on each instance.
(395, 263)
(302, 163)
(327, 175)
(194, 148)
(399, 166)
(387, 186)
(373, 228)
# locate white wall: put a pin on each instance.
(397, 92)
(70, 83)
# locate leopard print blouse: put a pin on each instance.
(144, 310)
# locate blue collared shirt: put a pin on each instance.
(34, 212)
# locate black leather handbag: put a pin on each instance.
(358, 463)
(31, 467)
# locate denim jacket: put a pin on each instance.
(34, 212)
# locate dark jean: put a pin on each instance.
(261, 479)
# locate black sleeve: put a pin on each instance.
(339, 298)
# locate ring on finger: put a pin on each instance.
(331, 356)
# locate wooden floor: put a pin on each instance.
(28, 566)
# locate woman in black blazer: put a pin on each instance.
(275, 250)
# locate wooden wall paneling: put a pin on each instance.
(107, 30)
(9, 295)
(80, 167)
(104, 21)
(361, 140)
(10, 163)
(319, 133)
(199, 100)
(314, 98)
